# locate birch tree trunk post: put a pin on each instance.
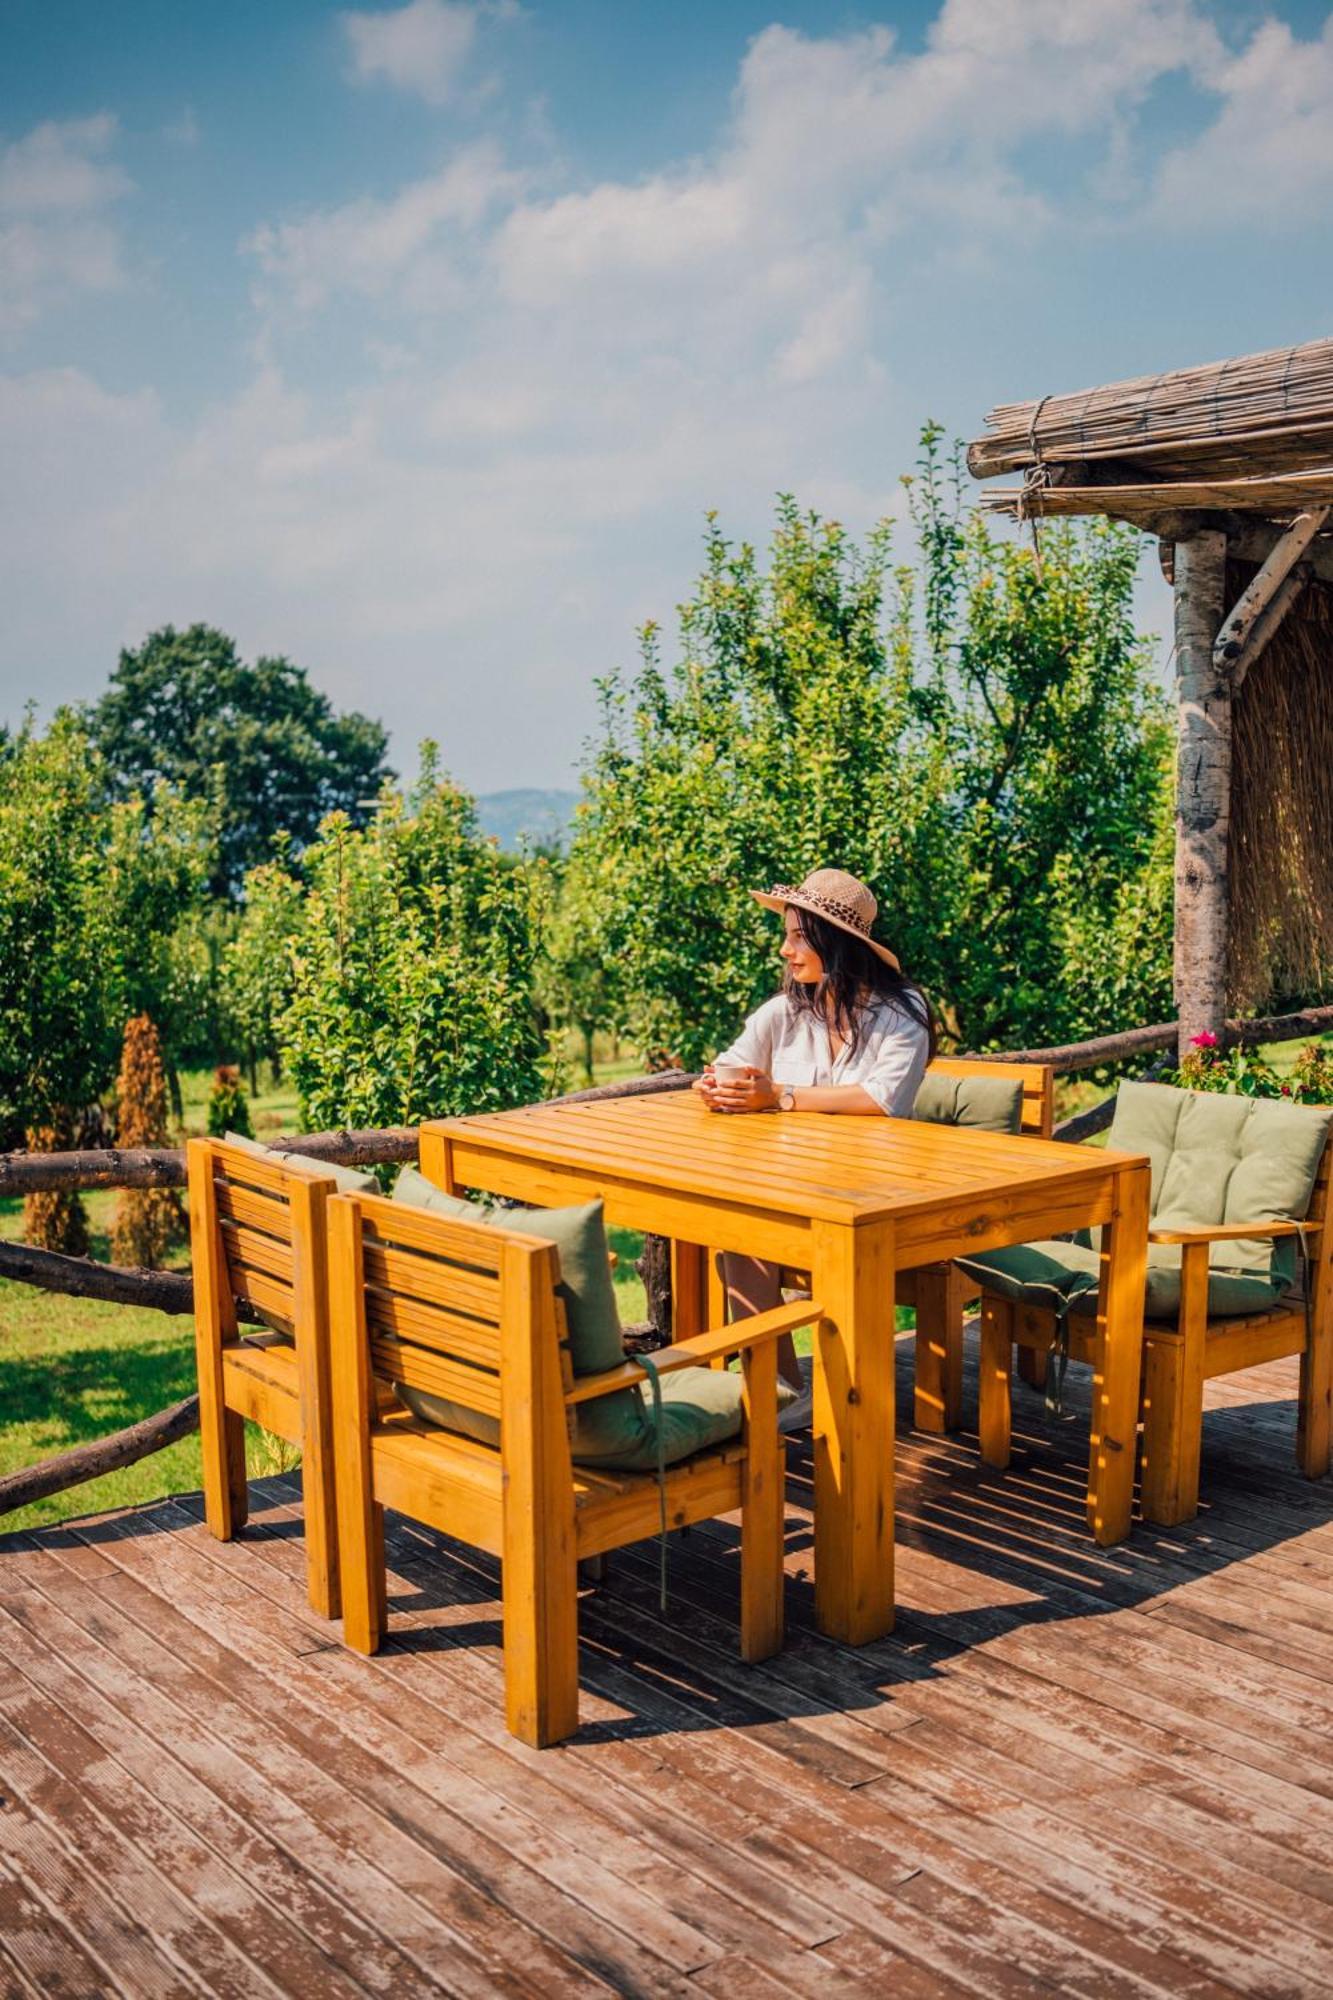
(1203, 788)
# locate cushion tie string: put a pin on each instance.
(649, 1368)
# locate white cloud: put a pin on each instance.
(1271, 145)
(370, 247)
(421, 48)
(518, 393)
(56, 240)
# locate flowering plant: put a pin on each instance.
(1242, 1072)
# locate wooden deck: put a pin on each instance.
(1069, 1771)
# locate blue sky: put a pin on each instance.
(413, 341)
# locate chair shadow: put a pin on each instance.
(1012, 1547)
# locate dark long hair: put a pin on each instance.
(853, 974)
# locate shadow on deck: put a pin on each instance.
(1069, 1770)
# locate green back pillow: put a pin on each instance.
(987, 1103)
(700, 1406)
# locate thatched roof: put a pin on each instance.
(1252, 435)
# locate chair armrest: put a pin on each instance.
(1232, 1232)
(698, 1350)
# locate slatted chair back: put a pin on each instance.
(444, 1301)
(258, 1230)
(472, 1315)
(1037, 1079)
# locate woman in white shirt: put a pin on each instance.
(848, 1034)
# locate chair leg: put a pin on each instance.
(363, 1575)
(762, 1501)
(541, 1647)
(1172, 1437)
(1314, 1421)
(938, 1401)
(226, 1489)
(319, 1506)
(995, 1415)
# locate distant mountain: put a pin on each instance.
(513, 817)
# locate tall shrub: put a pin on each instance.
(412, 968)
(148, 1220)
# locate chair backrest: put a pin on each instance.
(461, 1313)
(270, 1223)
(1222, 1159)
(1036, 1081)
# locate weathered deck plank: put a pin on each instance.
(1068, 1770)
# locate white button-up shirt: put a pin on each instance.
(888, 1062)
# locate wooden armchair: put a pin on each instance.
(1211, 1331)
(257, 1233)
(941, 1293)
(471, 1314)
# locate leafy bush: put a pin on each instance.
(412, 968)
(983, 743)
(228, 1105)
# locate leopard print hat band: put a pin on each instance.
(836, 896)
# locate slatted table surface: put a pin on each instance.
(1069, 1770)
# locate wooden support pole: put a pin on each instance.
(1266, 624)
(1203, 789)
(1262, 595)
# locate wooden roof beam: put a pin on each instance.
(1267, 598)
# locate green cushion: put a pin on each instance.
(614, 1425)
(700, 1406)
(347, 1180)
(1215, 1159)
(1042, 1274)
(991, 1103)
(1219, 1159)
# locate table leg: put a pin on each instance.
(852, 1278)
(689, 1289)
(1115, 1387)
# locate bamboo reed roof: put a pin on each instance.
(1253, 435)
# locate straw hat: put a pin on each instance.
(837, 897)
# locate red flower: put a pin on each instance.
(1286, 1090)
(1203, 1041)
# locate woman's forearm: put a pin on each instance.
(849, 1098)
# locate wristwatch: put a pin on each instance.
(786, 1098)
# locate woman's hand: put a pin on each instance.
(752, 1090)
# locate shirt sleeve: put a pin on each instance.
(895, 1076)
(754, 1044)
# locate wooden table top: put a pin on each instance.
(796, 1163)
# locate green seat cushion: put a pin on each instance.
(991, 1103)
(1045, 1274)
(347, 1180)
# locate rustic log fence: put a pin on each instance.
(173, 1292)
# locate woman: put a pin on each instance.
(848, 1034)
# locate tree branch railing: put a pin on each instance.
(173, 1292)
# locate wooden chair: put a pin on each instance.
(1180, 1358)
(472, 1314)
(257, 1233)
(941, 1293)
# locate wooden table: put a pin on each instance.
(851, 1200)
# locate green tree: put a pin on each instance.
(258, 741)
(257, 972)
(979, 739)
(412, 967)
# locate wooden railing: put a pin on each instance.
(172, 1291)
